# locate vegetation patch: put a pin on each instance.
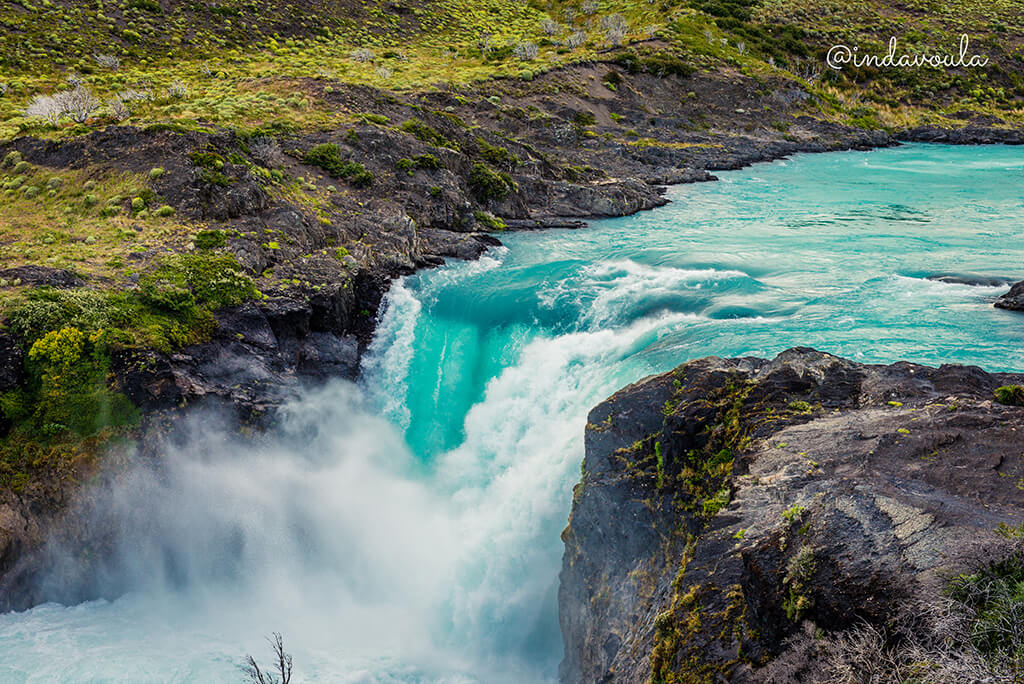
(425, 133)
(489, 221)
(328, 158)
(486, 184)
(1011, 395)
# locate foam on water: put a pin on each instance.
(407, 530)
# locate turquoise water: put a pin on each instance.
(406, 529)
(831, 251)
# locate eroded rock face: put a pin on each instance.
(732, 505)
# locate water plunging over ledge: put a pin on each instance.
(407, 529)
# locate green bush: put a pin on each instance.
(1011, 395)
(487, 184)
(425, 133)
(207, 160)
(67, 389)
(993, 599)
(489, 221)
(420, 161)
(328, 158)
(147, 5)
(495, 154)
(12, 158)
(584, 119)
(210, 239)
(216, 280)
(166, 296)
(373, 118)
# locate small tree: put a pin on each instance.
(45, 107)
(526, 51)
(279, 673)
(118, 108)
(108, 61)
(362, 55)
(79, 103)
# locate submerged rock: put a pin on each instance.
(1012, 300)
(969, 279)
(733, 510)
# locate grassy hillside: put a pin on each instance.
(245, 63)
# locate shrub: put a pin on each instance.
(420, 161)
(487, 184)
(1011, 395)
(489, 221)
(68, 389)
(266, 150)
(575, 40)
(45, 107)
(362, 55)
(615, 28)
(526, 51)
(108, 61)
(210, 239)
(177, 90)
(584, 118)
(367, 117)
(495, 154)
(148, 5)
(549, 27)
(328, 158)
(119, 110)
(427, 161)
(425, 133)
(612, 79)
(167, 296)
(78, 103)
(215, 280)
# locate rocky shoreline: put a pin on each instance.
(565, 147)
(736, 516)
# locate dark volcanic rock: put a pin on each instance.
(968, 135)
(1014, 299)
(41, 276)
(731, 506)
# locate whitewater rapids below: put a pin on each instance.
(406, 529)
